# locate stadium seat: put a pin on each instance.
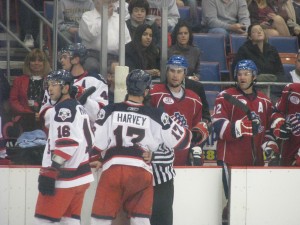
(210, 71)
(236, 41)
(284, 44)
(213, 49)
(184, 12)
(211, 98)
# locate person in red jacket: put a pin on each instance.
(27, 92)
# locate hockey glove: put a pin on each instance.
(246, 127)
(281, 129)
(271, 151)
(200, 133)
(196, 156)
(47, 178)
(83, 98)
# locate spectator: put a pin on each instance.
(90, 33)
(71, 58)
(261, 12)
(155, 14)
(127, 180)
(295, 74)
(27, 91)
(286, 10)
(29, 23)
(240, 139)
(65, 174)
(285, 126)
(182, 44)
(265, 57)
(138, 10)
(69, 15)
(141, 52)
(185, 107)
(225, 16)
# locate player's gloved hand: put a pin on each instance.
(200, 133)
(76, 91)
(271, 151)
(196, 156)
(247, 127)
(281, 129)
(47, 178)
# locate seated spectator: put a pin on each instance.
(27, 91)
(264, 55)
(226, 16)
(194, 16)
(182, 44)
(138, 10)
(155, 14)
(295, 74)
(141, 53)
(285, 9)
(261, 12)
(69, 14)
(90, 33)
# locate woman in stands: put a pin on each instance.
(27, 92)
(262, 12)
(141, 52)
(138, 10)
(182, 44)
(264, 55)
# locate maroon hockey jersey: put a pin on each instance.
(288, 107)
(238, 151)
(187, 111)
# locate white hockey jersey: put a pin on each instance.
(71, 138)
(96, 101)
(125, 130)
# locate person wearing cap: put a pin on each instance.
(243, 137)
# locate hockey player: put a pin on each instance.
(71, 59)
(185, 107)
(125, 132)
(65, 174)
(286, 124)
(241, 140)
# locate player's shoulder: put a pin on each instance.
(157, 88)
(190, 93)
(292, 87)
(95, 75)
(66, 111)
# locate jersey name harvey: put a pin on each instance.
(132, 118)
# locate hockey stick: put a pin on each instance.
(246, 110)
(89, 91)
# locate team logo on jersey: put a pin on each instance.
(101, 114)
(294, 120)
(165, 119)
(64, 114)
(134, 109)
(295, 100)
(168, 100)
(180, 119)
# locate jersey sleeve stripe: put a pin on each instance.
(66, 142)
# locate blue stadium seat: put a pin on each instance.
(48, 10)
(211, 98)
(236, 41)
(213, 49)
(184, 12)
(210, 71)
(284, 44)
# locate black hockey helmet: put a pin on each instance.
(62, 77)
(137, 82)
(74, 50)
